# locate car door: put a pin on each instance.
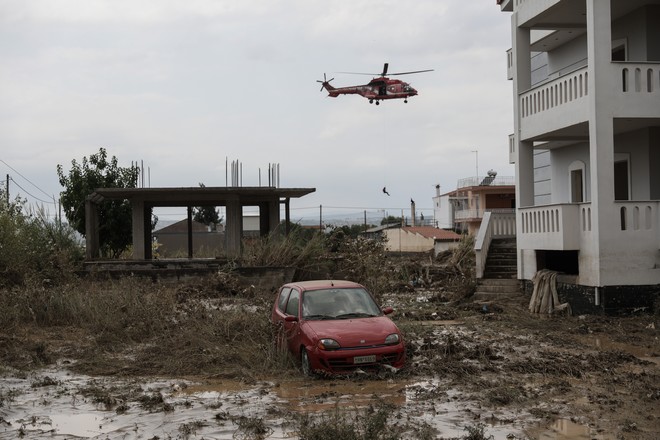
(292, 326)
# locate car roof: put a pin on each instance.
(323, 284)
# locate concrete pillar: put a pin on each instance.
(137, 208)
(524, 156)
(601, 134)
(273, 214)
(91, 230)
(234, 227)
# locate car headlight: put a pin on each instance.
(328, 344)
(392, 339)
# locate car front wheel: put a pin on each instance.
(306, 365)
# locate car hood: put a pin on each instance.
(356, 332)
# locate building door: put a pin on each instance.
(577, 187)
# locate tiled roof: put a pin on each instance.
(431, 232)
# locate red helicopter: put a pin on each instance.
(377, 89)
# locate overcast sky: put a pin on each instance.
(185, 86)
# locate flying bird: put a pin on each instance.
(385, 190)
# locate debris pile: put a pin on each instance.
(544, 297)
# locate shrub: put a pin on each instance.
(33, 248)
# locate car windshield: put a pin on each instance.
(339, 304)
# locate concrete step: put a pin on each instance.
(499, 274)
(491, 289)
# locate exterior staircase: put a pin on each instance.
(500, 274)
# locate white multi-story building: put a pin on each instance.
(586, 145)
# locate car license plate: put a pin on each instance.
(364, 359)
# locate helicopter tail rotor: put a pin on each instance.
(325, 84)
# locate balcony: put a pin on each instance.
(554, 227)
(556, 104)
(467, 215)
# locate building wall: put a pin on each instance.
(561, 159)
(399, 240)
(442, 210)
(442, 246)
(568, 57)
(542, 178)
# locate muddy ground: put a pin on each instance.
(475, 371)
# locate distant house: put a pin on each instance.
(420, 239)
(464, 208)
(172, 240)
(378, 231)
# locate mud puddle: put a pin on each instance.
(55, 404)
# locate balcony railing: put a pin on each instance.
(477, 214)
(639, 217)
(553, 227)
(486, 181)
(554, 94)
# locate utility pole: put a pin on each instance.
(7, 189)
(476, 152)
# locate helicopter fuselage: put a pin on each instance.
(377, 89)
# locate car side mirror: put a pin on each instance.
(388, 310)
(291, 318)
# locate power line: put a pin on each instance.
(34, 197)
(28, 180)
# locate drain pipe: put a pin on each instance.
(597, 296)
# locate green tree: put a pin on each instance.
(115, 231)
(208, 215)
(390, 219)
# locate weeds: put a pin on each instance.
(33, 249)
(45, 381)
(477, 432)
(251, 428)
(370, 423)
(155, 403)
(190, 428)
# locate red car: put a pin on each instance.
(336, 327)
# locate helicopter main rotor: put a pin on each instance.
(384, 72)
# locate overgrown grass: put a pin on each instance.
(299, 250)
(135, 326)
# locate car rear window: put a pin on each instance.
(281, 301)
